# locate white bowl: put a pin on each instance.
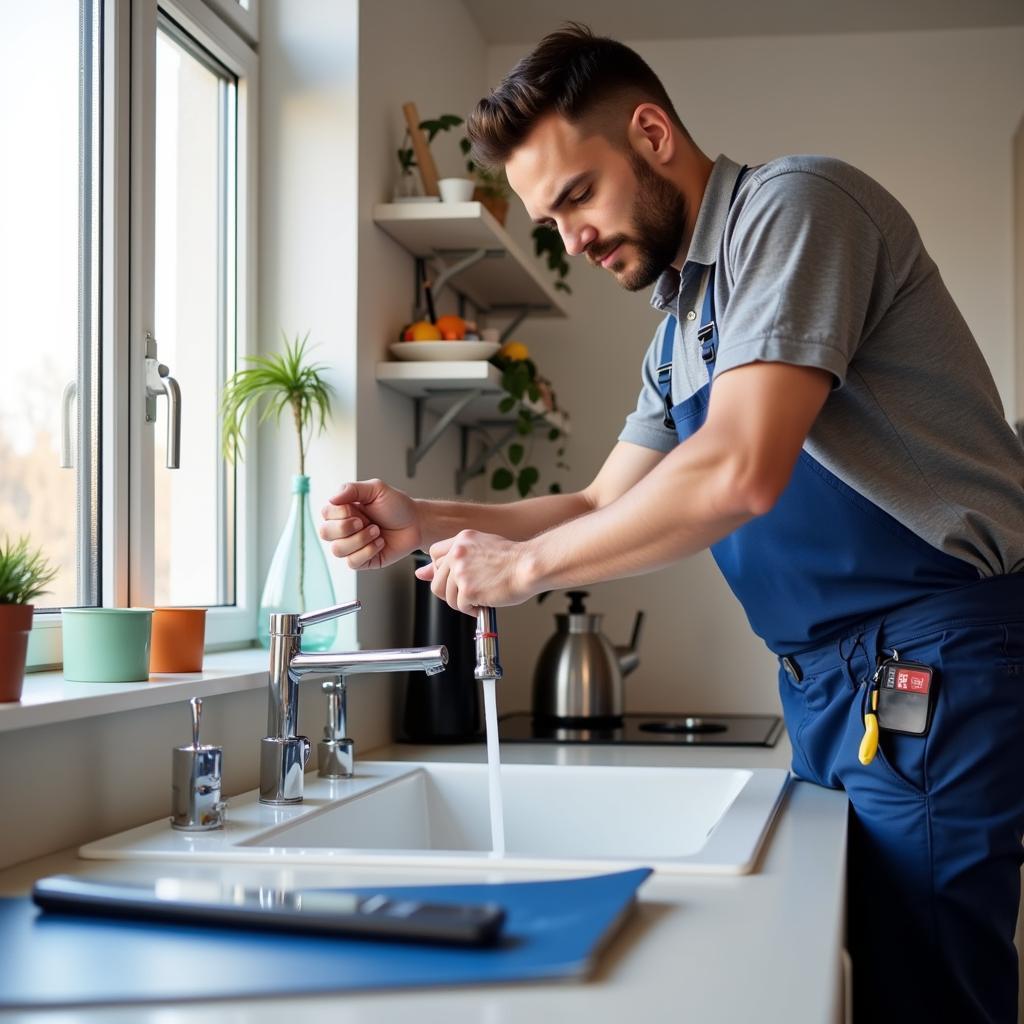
(456, 190)
(439, 351)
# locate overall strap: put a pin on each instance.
(665, 369)
(707, 335)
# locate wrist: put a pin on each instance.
(425, 523)
(529, 568)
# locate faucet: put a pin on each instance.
(283, 753)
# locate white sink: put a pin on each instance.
(705, 820)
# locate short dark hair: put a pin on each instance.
(570, 72)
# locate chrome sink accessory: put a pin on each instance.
(579, 672)
(283, 753)
(196, 805)
(487, 664)
(335, 752)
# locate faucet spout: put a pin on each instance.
(283, 753)
(349, 663)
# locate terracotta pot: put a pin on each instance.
(15, 625)
(177, 640)
(498, 208)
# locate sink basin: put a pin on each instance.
(710, 820)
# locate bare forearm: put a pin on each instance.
(689, 501)
(516, 520)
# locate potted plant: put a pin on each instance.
(24, 575)
(298, 579)
(525, 390)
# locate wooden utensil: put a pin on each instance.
(424, 158)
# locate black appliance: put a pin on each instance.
(645, 728)
(442, 708)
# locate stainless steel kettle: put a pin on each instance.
(579, 672)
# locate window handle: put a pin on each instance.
(70, 394)
(160, 382)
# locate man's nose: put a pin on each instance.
(576, 239)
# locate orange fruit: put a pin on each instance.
(423, 330)
(514, 350)
(452, 328)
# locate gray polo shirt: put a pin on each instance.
(817, 265)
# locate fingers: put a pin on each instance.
(350, 541)
(340, 511)
(339, 529)
(425, 572)
(362, 558)
(440, 549)
(362, 491)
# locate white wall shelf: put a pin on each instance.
(493, 271)
(467, 393)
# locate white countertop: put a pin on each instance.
(765, 946)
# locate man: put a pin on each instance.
(815, 410)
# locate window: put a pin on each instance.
(194, 304)
(126, 264)
(49, 289)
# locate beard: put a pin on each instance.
(658, 221)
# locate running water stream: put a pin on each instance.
(494, 769)
(488, 671)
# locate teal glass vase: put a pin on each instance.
(298, 580)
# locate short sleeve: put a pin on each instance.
(808, 273)
(645, 426)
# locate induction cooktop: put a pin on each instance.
(704, 730)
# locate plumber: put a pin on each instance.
(816, 411)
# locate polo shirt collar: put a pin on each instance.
(707, 232)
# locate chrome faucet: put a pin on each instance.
(283, 753)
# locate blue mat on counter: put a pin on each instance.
(554, 929)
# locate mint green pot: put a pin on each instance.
(107, 645)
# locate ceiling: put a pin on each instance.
(525, 21)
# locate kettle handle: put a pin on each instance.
(638, 625)
(628, 657)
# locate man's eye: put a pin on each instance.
(582, 197)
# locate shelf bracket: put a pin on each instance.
(421, 444)
(468, 259)
(516, 320)
(491, 445)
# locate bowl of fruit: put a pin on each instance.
(448, 338)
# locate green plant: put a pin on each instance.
(406, 156)
(280, 381)
(547, 242)
(24, 573)
(491, 182)
(523, 385)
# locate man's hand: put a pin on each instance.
(370, 524)
(473, 570)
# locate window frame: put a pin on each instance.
(127, 133)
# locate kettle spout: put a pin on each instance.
(627, 653)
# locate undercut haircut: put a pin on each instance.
(586, 79)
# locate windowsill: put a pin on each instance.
(49, 698)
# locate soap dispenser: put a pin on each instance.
(579, 672)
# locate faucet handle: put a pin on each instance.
(334, 612)
(292, 623)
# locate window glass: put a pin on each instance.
(194, 303)
(49, 278)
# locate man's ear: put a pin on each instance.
(651, 134)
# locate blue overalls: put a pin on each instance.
(831, 582)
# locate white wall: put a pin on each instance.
(433, 55)
(335, 76)
(931, 115)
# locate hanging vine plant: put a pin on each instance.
(525, 388)
(547, 244)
